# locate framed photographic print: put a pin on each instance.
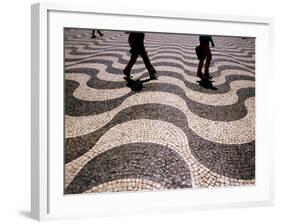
(148, 111)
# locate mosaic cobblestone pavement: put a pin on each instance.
(175, 133)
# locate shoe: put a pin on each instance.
(127, 74)
(153, 75)
(94, 36)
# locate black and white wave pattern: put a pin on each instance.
(174, 133)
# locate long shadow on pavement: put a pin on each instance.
(136, 85)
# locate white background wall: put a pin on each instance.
(15, 110)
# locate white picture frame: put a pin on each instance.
(48, 201)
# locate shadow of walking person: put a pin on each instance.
(207, 84)
(136, 85)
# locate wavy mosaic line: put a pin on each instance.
(138, 131)
(224, 159)
(176, 58)
(103, 73)
(208, 129)
(84, 92)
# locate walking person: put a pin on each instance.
(136, 42)
(93, 33)
(204, 53)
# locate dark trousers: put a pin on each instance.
(208, 57)
(133, 59)
(93, 33)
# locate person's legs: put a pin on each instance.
(208, 62)
(133, 59)
(100, 33)
(201, 61)
(93, 34)
(148, 65)
(200, 66)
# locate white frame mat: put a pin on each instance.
(48, 201)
